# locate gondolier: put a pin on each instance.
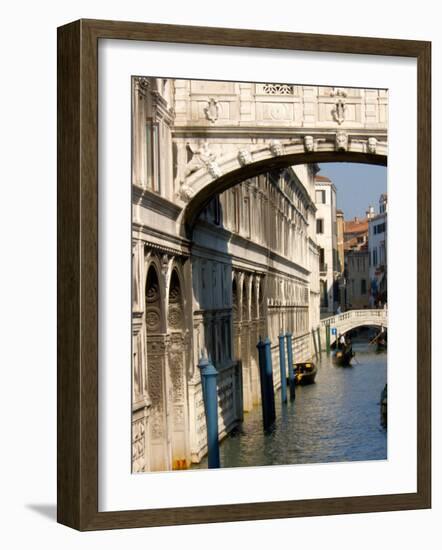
(344, 353)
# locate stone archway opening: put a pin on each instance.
(210, 187)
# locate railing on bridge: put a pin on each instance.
(354, 318)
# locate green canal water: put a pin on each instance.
(336, 419)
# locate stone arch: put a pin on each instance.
(354, 318)
(359, 324)
(204, 184)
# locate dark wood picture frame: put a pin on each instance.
(77, 226)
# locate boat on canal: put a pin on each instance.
(343, 356)
(305, 373)
(383, 403)
(381, 344)
(380, 340)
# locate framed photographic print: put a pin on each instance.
(243, 275)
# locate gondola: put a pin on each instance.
(305, 373)
(381, 344)
(343, 356)
(380, 340)
(383, 404)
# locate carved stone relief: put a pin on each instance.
(372, 143)
(338, 112)
(341, 141)
(276, 147)
(244, 157)
(212, 110)
(278, 89)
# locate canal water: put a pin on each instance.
(336, 419)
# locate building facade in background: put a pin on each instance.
(340, 228)
(327, 239)
(377, 248)
(357, 262)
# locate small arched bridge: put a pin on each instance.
(353, 319)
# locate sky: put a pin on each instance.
(357, 186)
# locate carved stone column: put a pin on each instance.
(140, 89)
(254, 337)
(156, 350)
(177, 382)
(245, 345)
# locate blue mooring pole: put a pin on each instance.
(269, 375)
(282, 368)
(267, 418)
(210, 395)
(290, 366)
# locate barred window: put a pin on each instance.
(278, 89)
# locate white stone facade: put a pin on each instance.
(327, 240)
(377, 248)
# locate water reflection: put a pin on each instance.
(337, 419)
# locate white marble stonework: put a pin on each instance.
(249, 264)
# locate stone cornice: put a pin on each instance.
(154, 202)
(288, 132)
(182, 246)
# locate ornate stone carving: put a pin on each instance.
(213, 169)
(278, 89)
(142, 85)
(155, 345)
(175, 317)
(166, 261)
(186, 193)
(244, 157)
(341, 141)
(309, 144)
(338, 112)
(157, 423)
(153, 319)
(176, 375)
(174, 294)
(276, 148)
(152, 293)
(212, 110)
(138, 432)
(202, 157)
(372, 143)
